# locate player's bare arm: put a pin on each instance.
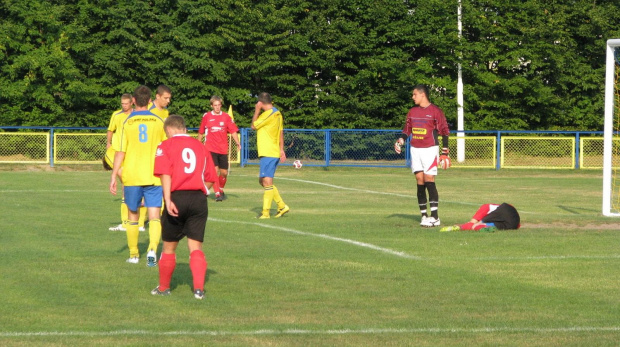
(118, 162)
(257, 111)
(282, 153)
(166, 184)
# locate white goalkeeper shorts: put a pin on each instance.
(425, 160)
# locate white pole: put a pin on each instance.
(609, 127)
(460, 142)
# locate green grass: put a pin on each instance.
(349, 265)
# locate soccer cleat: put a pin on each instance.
(133, 260)
(141, 229)
(430, 222)
(119, 227)
(218, 197)
(263, 216)
(450, 228)
(199, 294)
(423, 221)
(281, 212)
(488, 230)
(151, 259)
(224, 197)
(164, 292)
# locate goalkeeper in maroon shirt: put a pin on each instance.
(424, 123)
(186, 173)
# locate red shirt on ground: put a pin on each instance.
(216, 129)
(185, 159)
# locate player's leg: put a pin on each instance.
(418, 171)
(108, 162)
(167, 264)
(133, 196)
(223, 174)
(216, 185)
(267, 171)
(282, 207)
(195, 228)
(428, 158)
(152, 201)
(142, 217)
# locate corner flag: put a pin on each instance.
(230, 113)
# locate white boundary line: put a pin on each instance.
(266, 332)
(328, 237)
(411, 256)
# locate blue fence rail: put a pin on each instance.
(370, 148)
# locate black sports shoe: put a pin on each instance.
(156, 291)
(218, 198)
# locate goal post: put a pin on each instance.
(611, 193)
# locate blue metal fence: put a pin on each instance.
(374, 148)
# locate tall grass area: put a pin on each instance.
(348, 266)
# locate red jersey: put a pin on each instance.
(216, 129)
(185, 159)
(426, 124)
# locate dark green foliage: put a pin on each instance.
(346, 64)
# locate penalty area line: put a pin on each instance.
(275, 332)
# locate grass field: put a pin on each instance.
(348, 266)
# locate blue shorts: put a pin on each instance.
(152, 195)
(268, 166)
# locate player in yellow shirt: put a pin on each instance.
(113, 136)
(269, 126)
(141, 133)
(159, 106)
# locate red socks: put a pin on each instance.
(222, 181)
(167, 263)
(198, 266)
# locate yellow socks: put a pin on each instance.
(154, 234)
(132, 239)
(277, 198)
(267, 199)
(142, 217)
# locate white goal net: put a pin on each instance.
(611, 153)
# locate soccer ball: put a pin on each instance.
(297, 164)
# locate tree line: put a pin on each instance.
(527, 65)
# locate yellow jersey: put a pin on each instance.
(116, 123)
(269, 126)
(162, 113)
(141, 133)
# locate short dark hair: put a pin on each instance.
(142, 94)
(422, 88)
(175, 121)
(264, 97)
(162, 88)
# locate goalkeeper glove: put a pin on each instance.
(444, 159)
(397, 146)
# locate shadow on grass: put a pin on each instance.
(183, 276)
(577, 210)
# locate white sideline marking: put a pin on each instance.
(328, 237)
(265, 332)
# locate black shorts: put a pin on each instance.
(192, 219)
(505, 217)
(220, 160)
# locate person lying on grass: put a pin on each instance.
(490, 218)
